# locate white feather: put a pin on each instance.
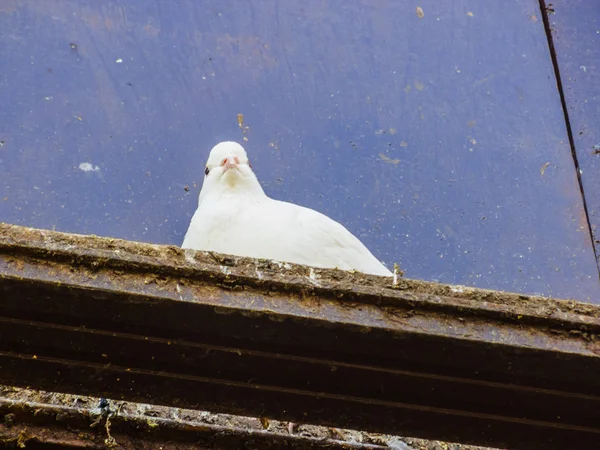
(236, 217)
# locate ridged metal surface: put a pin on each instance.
(156, 324)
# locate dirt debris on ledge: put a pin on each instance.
(194, 417)
(172, 261)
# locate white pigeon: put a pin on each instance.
(236, 217)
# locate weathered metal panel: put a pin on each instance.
(161, 325)
(435, 134)
(575, 28)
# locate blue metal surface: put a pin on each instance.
(575, 27)
(436, 134)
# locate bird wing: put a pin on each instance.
(283, 231)
(322, 242)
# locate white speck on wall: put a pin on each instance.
(88, 167)
(225, 270)
(119, 61)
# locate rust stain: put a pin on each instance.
(420, 13)
(245, 129)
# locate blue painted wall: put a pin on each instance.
(436, 135)
(575, 26)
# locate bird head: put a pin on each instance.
(228, 169)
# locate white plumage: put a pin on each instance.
(236, 217)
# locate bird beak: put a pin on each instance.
(230, 162)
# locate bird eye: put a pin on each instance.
(206, 170)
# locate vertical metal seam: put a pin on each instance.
(563, 101)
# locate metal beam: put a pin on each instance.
(157, 324)
(38, 425)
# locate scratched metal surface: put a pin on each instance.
(575, 26)
(434, 135)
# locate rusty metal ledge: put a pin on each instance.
(41, 425)
(157, 324)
